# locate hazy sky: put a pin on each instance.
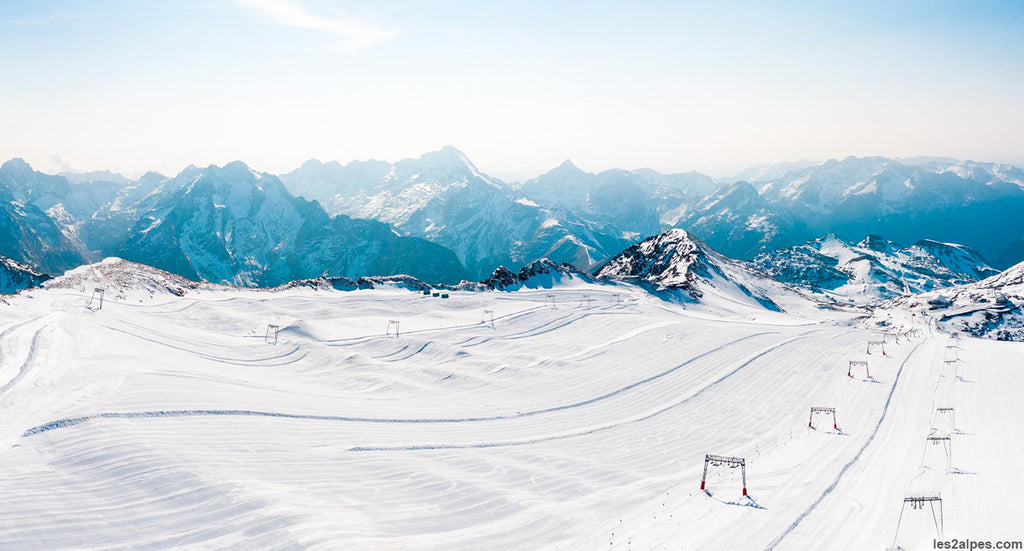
(519, 86)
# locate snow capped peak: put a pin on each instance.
(664, 260)
(542, 273)
(678, 263)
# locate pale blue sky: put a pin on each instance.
(519, 86)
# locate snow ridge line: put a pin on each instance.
(67, 422)
(852, 460)
(33, 349)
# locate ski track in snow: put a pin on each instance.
(30, 357)
(853, 460)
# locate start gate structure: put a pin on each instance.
(880, 344)
(392, 323)
(918, 501)
(270, 337)
(858, 363)
(827, 411)
(956, 350)
(488, 318)
(720, 461)
(97, 297)
(550, 301)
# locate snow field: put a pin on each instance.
(171, 423)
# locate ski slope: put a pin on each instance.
(579, 420)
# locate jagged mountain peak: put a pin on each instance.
(541, 273)
(664, 260)
(679, 264)
(567, 166)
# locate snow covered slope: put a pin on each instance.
(578, 422)
(15, 276)
(874, 269)
(992, 308)
(681, 265)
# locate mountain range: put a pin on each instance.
(443, 197)
(439, 218)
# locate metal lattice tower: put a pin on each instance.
(832, 411)
(917, 502)
(955, 363)
(947, 445)
(392, 323)
(97, 296)
(947, 411)
(721, 460)
(270, 336)
(858, 363)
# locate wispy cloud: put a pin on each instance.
(354, 33)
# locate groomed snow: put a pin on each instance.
(167, 422)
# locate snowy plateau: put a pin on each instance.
(143, 410)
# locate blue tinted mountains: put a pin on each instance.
(584, 218)
(440, 218)
(444, 198)
(219, 224)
